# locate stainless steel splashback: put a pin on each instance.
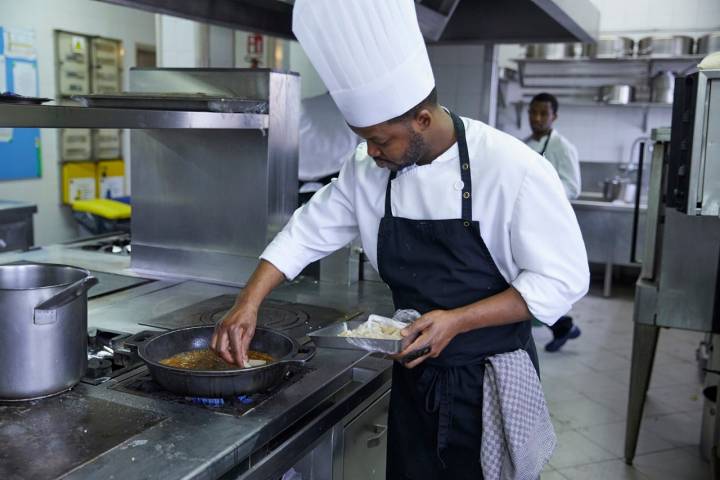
(206, 202)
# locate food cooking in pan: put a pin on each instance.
(206, 359)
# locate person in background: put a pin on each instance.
(564, 158)
(326, 142)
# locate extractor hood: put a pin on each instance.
(441, 21)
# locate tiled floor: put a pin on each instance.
(586, 385)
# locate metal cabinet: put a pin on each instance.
(72, 64)
(16, 225)
(364, 443)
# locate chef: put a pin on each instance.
(464, 223)
(563, 156)
(325, 143)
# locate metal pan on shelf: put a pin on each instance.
(173, 101)
(16, 99)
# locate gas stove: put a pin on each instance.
(111, 354)
(117, 245)
(295, 319)
(119, 419)
(143, 385)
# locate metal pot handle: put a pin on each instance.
(46, 312)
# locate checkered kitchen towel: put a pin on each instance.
(518, 437)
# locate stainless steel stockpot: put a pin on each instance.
(43, 329)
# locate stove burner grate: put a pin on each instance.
(219, 402)
(295, 319)
(278, 317)
(143, 385)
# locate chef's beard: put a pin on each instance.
(415, 151)
(413, 154)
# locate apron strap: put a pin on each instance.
(438, 398)
(547, 140)
(388, 208)
(464, 167)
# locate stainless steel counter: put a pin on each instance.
(617, 206)
(607, 228)
(171, 440)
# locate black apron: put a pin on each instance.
(435, 421)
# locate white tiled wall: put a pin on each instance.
(654, 15)
(459, 78)
(178, 43)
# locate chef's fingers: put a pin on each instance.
(223, 346)
(245, 344)
(236, 335)
(214, 340)
(418, 361)
(416, 327)
(420, 342)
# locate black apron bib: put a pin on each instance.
(435, 421)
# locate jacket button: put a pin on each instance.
(465, 166)
(466, 223)
(466, 195)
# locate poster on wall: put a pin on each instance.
(5, 133)
(24, 78)
(19, 43)
(20, 151)
(3, 74)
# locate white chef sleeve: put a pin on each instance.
(568, 168)
(547, 246)
(318, 228)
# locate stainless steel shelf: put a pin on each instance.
(56, 116)
(596, 72)
(683, 58)
(605, 105)
(645, 106)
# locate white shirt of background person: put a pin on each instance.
(557, 149)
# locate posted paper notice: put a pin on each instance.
(25, 79)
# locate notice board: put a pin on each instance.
(20, 150)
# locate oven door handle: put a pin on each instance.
(379, 432)
(636, 209)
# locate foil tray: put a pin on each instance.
(329, 337)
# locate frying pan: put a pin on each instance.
(220, 383)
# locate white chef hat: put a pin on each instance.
(370, 54)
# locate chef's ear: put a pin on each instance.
(423, 119)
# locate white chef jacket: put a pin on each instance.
(525, 219)
(326, 141)
(564, 157)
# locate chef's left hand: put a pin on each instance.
(434, 329)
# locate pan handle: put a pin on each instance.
(304, 355)
(140, 338)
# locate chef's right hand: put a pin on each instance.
(234, 332)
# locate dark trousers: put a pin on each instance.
(562, 326)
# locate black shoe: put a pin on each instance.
(557, 342)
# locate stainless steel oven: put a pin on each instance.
(680, 278)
